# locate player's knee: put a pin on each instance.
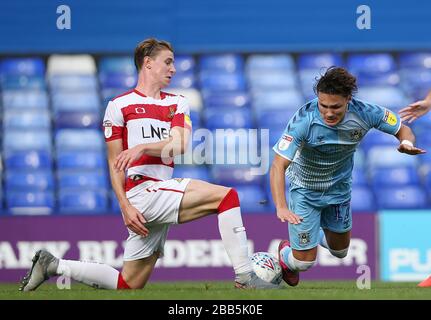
(303, 265)
(339, 253)
(228, 201)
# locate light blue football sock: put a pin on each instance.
(287, 256)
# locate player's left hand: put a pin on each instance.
(127, 157)
(405, 148)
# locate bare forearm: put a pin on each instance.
(166, 148)
(117, 181)
(405, 133)
(278, 185)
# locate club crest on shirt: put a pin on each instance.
(356, 135)
(390, 118)
(107, 128)
(171, 112)
(284, 142)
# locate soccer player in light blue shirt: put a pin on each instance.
(316, 153)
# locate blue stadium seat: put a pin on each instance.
(230, 175)
(79, 139)
(379, 79)
(193, 172)
(275, 134)
(222, 63)
(76, 101)
(117, 80)
(398, 176)
(408, 197)
(359, 177)
(83, 202)
(184, 64)
(274, 118)
(116, 65)
(25, 99)
(280, 100)
(28, 160)
(415, 60)
(22, 66)
(224, 118)
(183, 80)
(31, 119)
(27, 140)
(73, 82)
(375, 138)
(81, 160)
(230, 99)
(195, 117)
(29, 180)
(250, 197)
(362, 200)
(273, 80)
(216, 81)
(31, 202)
(82, 179)
(319, 60)
(371, 63)
(21, 82)
(264, 62)
(384, 156)
(416, 82)
(78, 119)
(385, 96)
(307, 79)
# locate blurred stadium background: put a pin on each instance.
(241, 64)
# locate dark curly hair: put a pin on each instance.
(338, 81)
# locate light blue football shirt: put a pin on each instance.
(322, 155)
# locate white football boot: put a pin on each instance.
(44, 266)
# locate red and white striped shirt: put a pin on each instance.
(138, 119)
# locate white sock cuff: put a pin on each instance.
(339, 253)
(302, 265)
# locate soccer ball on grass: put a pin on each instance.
(267, 267)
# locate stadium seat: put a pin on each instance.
(27, 140)
(22, 66)
(73, 82)
(22, 82)
(32, 119)
(193, 96)
(280, 100)
(25, 99)
(118, 80)
(193, 172)
(230, 99)
(96, 179)
(359, 177)
(379, 79)
(185, 63)
(195, 117)
(79, 139)
(319, 60)
(416, 82)
(230, 175)
(226, 118)
(408, 197)
(370, 63)
(398, 176)
(76, 101)
(252, 199)
(117, 65)
(83, 202)
(415, 60)
(229, 63)
(184, 81)
(274, 118)
(216, 81)
(78, 119)
(375, 138)
(385, 96)
(80, 160)
(273, 80)
(307, 79)
(30, 203)
(384, 156)
(41, 159)
(71, 64)
(29, 180)
(263, 62)
(362, 200)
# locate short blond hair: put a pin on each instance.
(149, 48)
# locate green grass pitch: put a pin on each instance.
(310, 290)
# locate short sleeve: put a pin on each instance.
(182, 115)
(379, 117)
(113, 122)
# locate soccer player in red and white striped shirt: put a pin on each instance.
(144, 129)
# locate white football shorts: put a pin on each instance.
(159, 202)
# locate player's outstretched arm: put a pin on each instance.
(416, 109)
(133, 219)
(176, 144)
(407, 139)
(278, 185)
